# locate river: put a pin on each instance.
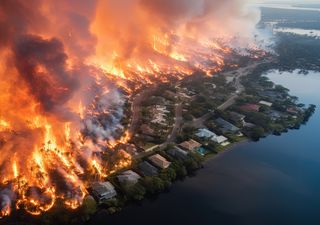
(275, 181)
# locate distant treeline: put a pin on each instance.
(298, 52)
(288, 15)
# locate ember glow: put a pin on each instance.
(67, 68)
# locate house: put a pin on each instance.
(237, 117)
(178, 153)
(128, 177)
(146, 169)
(219, 139)
(226, 126)
(204, 133)
(103, 191)
(275, 115)
(190, 145)
(292, 110)
(269, 104)
(159, 161)
(250, 107)
(150, 147)
(159, 114)
(272, 95)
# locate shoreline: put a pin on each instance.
(227, 149)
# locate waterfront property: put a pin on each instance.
(237, 117)
(159, 161)
(103, 191)
(220, 140)
(227, 127)
(178, 153)
(205, 133)
(146, 169)
(190, 145)
(128, 177)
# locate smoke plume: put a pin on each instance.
(67, 69)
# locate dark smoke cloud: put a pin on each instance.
(16, 17)
(42, 64)
(65, 20)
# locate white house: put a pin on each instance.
(103, 191)
(205, 133)
(219, 139)
(128, 177)
(269, 104)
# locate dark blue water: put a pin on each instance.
(272, 182)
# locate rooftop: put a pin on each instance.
(159, 161)
(128, 177)
(226, 126)
(205, 133)
(269, 104)
(190, 145)
(147, 169)
(103, 190)
(250, 107)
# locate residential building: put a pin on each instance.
(159, 161)
(128, 177)
(204, 133)
(178, 153)
(190, 145)
(237, 117)
(146, 169)
(227, 127)
(219, 139)
(103, 191)
(250, 107)
(269, 104)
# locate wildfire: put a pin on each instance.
(64, 85)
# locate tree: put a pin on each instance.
(168, 174)
(257, 133)
(153, 185)
(135, 191)
(89, 206)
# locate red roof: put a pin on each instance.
(250, 107)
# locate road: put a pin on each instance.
(177, 124)
(238, 74)
(136, 108)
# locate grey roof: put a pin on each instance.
(128, 177)
(226, 126)
(147, 169)
(236, 117)
(178, 153)
(103, 190)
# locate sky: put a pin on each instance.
(286, 1)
